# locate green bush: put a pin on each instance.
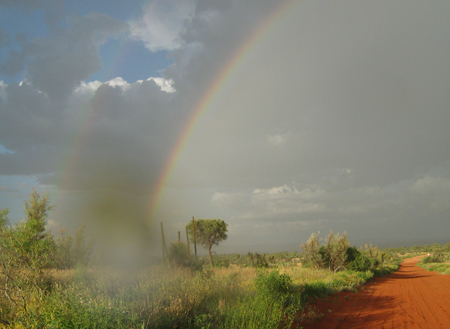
(361, 263)
(274, 305)
(351, 254)
(273, 284)
(438, 257)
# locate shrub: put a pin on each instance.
(274, 305)
(179, 254)
(274, 285)
(361, 263)
(311, 251)
(335, 250)
(258, 260)
(352, 253)
(436, 258)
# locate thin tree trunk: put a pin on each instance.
(195, 239)
(210, 256)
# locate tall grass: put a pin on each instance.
(176, 298)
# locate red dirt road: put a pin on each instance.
(410, 298)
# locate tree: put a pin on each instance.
(335, 250)
(4, 217)
(73, 249)
(209, 232)
(36, 210)
(25, 250)
(311, 251)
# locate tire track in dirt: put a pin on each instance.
(407, 299)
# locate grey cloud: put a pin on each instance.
(26, 118)
(330, 87)
(112, 134)
(61, 61)
(14, 63)
(355, 99)
(54, 9)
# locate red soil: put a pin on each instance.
(409, 298)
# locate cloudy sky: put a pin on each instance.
(282, 118)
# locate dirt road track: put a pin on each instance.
(410, 298)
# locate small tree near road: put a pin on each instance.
(311, 251)
(209, 232)
(335, 250)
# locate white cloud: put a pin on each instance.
(165, 84)
(90, 87)
(162, 23)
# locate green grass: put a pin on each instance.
(443, 268)
(437, 262)
(177, 298)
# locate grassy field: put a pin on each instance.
(161, 297)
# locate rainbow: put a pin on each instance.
(208, 98)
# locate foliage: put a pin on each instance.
(274, 304)
(209, 233)
(351, 254)
(179, 298)
(438, 257)
(72, 249)
(258, 260)
(179, 254)
(335, 250)
(333, 254)
(311, 251)
(361, 263)
(3, 217)
(25, 250)
(443, 268)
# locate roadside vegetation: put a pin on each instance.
(438, 261)
(52, 282)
